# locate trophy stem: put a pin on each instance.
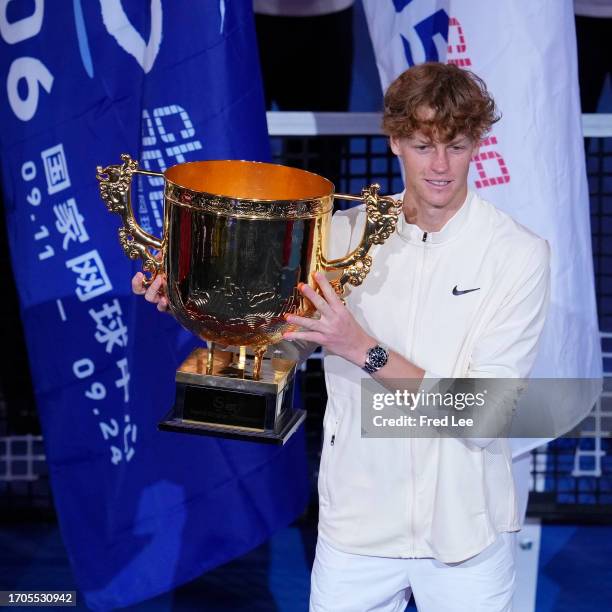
(258, 357)
(210, 358)
(242, 358)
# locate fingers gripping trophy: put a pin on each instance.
(238, 239)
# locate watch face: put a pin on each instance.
(377, 357)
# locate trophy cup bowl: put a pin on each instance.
(238, 238)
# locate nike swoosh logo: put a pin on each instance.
(457, 292)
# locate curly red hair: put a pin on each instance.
(440, 100)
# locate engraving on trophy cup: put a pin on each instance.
(238, 239)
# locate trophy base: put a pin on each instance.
(229, 403)
(178, 425)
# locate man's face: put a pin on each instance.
(436, 172)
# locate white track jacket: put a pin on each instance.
(442, 497)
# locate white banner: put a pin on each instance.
(532, 164)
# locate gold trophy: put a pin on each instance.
(238, 239)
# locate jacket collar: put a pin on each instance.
(413, 233)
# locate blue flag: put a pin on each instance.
(167, 81)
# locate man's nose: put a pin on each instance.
(440, 161)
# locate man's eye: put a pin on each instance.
(458, 147)
(421, 147)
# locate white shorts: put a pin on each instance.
(345, 582)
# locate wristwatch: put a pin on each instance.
(376, 358)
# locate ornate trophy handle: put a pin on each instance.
(115, 189)
(382, 213)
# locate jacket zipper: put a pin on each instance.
(332, 441)
(410, 441)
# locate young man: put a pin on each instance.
(459, 291)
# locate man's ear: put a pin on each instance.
(476, 148)
(394, 144)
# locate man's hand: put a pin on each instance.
(336, 330)
(155, 293)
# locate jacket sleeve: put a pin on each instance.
(506, 347)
